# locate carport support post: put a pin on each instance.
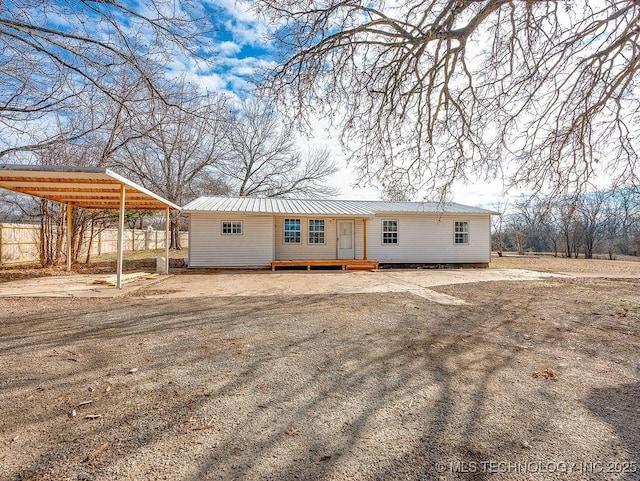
(69, 234)
(166, 240)
(120, 237)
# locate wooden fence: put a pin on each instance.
(21, 242)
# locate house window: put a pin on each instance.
(461, 232)
(316, 231)
(292, 231)
(232, 227)
(389, 231)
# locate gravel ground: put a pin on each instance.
(521, 382)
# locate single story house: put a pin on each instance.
(261, 232)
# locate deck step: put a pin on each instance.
(362, 267)
(346, 264)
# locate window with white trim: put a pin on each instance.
(316, 231)
(230, 227)
(461, 232)
(292, 231)
(389, 231)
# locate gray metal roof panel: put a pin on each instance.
(325, 207)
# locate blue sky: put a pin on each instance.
(236, 51)
(239, 50)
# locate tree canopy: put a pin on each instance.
(57, 57)
(262, 158)
(544, 93)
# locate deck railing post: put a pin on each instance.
(364, 222)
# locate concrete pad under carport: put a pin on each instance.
(74, 285)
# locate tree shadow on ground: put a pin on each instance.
(376, 386)
(618, 407)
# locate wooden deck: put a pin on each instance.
(346, 264)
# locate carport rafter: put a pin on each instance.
(105, 190)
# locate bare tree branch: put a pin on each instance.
(263, 159)
(54, 56)
(171, 149)
(428, 93)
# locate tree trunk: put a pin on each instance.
(60, 235)
(45, 234)
(90, 244)
(51, 234)
(79, 231)
(174, 227)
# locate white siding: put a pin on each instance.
(208, 247)
(429, 239)
(424, 238)
(304, 250)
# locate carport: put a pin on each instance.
(88, 188)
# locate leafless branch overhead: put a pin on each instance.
(429, 92)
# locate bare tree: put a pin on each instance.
(263, 159)
(430, 92)
(497, 227)
(594, 218)
(94, 148)
(176, 146)
(626, 205)
(601, 221)
(55, 56)
(550, 227)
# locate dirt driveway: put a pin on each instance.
(216, 283)
(303, 283)
(535, 380)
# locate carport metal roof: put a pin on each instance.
(89, 188)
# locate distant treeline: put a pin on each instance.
(601, 222)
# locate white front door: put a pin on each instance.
(346, 248)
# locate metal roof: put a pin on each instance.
(88, 187)
(253, 205)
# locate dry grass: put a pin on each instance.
(546, 263)
(145, 260)
(106, 263)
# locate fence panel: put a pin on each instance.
(21, 242)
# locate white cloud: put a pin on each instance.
(240, 21)
(238, 9)
(228, 48)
